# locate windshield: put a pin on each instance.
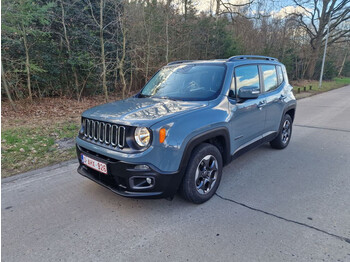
(186, 82)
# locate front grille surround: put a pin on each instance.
(104, 132)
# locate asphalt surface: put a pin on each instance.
(289, 205)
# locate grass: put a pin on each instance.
(26, 148)
(326, 86)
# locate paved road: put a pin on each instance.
(290, 205)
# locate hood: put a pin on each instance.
(141, 111)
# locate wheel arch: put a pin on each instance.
(290, 110)
(218, 137)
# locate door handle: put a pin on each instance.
(282, 97)
(261, 104)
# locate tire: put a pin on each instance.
(283, 138)
(203, 174)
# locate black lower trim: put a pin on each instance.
(125, 180)
(254, 145)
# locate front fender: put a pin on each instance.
(185, 133)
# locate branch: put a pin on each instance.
(340, 6)
(236, 5)
(229, 6)
(302, 23)
(304, 8)
(343, 34)
(317, 9)
(92, 13)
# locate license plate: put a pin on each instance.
(94, 164)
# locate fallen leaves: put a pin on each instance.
(46, 111)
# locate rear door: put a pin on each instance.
(248, 116)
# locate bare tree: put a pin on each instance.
(343, 62)
(122, 59)
(102, 44)
(76, 81)
(314, 18)
(26, 49)
(6, 88)
(167, 10)
(236, 9)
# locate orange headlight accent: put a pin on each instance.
(162, 135)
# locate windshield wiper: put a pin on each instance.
(143, 96)
(166, 97)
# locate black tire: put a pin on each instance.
(205, 159)
(284, 135)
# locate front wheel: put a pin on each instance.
(203, 174)
(284, 135)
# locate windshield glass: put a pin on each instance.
(186, 82)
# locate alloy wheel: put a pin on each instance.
(206, 174)
(286, 131)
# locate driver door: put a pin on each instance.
(247, 116)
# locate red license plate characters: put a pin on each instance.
(94, 164)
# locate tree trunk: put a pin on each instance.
(167, 39)
(217, 12)
(343, 63)
(7, 89)
(313, 60)
(103, 58)
(70, 52)
(121, 63)
(167, 31)
(147, 58)
(186, 7)
(30, 96)
(130, 83)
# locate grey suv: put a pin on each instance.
(188, 121)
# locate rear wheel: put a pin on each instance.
(203, 174)
(284, 135)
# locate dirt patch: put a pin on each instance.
(65, 143)
(46, 111)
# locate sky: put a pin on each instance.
(276, 8)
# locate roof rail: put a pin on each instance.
(180, 62)
(238, 57)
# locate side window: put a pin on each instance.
(279, 75)
(270, 77)
(247, 76)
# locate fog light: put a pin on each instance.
(149, 180)
(142, 167)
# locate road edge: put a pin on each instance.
(38, 171)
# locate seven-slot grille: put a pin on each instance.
(109, 134)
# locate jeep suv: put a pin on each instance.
(187, 122)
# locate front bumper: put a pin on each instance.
(125, 180)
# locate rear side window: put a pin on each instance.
(270, 77)
(247, 76)
(279, 75)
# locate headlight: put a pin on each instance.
(142, 136)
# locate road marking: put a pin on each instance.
(324, 128)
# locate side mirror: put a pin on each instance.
(248, 92)
(231, 94)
